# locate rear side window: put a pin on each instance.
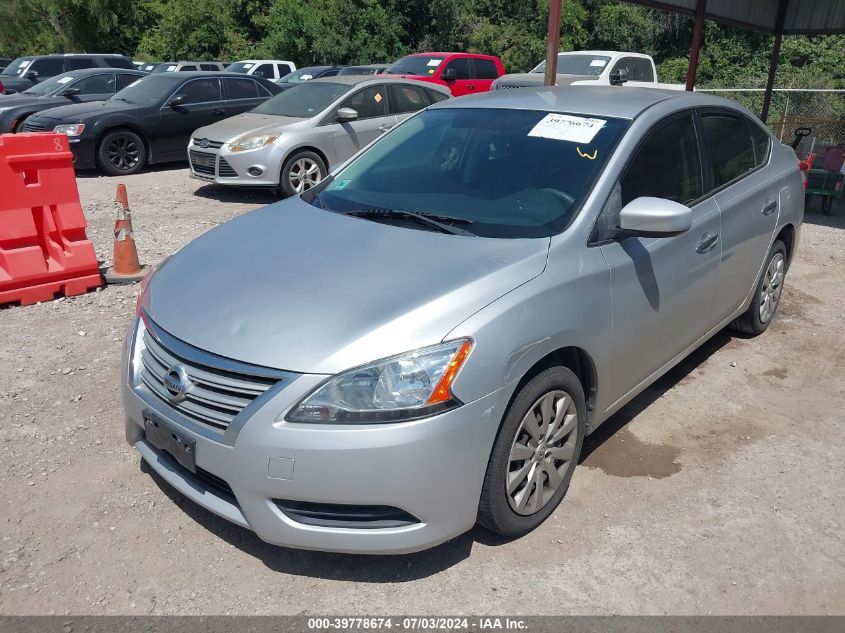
(330, 73)
(762, 143)
(208, 67)
(241, 88)
(643, 70)
(200, 91)
(47, 67)
(369, 102)
(264, 70)
(187, 68)
(436, 96)
(284, 69)
(96, 84)
(119, 62)
(78, 63)
(406, 98)
(485, 69)
(461, 66)
(666, 166)
(124, 80)
(729, 147)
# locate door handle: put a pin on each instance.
(384, 128)
(770, 207)
(218, 112)
(707, 243)
(470, 86)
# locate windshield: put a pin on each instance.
(239, 67)
(568, 64)
(50, 85)
(305, 100)
(510, 173)
(302, 75)
(166, 67)
(415, 65)
(146, 91)
(17, 67)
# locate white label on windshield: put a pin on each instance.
(248, 66)
(64, 80)
(306, 77)
(563, 127)
(598, 62)
(434, 62)
(170, 69)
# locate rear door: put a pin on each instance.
(463, 83)
(374, 119)
(485, 72)
(203, 105)
(748, 194)
(242, 94)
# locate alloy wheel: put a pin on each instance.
(772, 287)
(123, 152)
(542, 450)
(304, 174)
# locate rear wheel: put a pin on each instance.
(535, 453)
(301, 171)
(767, 294)
(121, 153)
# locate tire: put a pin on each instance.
(121, 153)
(499, 509)
(311, 167)
(759, 315)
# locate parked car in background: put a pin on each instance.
(272, 69)
(588, 68)
(462, 73)
(76, 86)
(291, 141)
(151, 120)
(25, 72)
(369, 69)
(424, 340)
(179, 67)
(306, 74)
(149, 67)
(3, 63)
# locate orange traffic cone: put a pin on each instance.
(126, 267)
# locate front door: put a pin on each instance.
(662, 288)
(373, 120)
(202, 105)
(463, 82)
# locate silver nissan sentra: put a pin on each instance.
(423, 340)
(291, 141)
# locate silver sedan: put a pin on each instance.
(292, 141)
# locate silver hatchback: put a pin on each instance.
(291, 141)
(423, 340)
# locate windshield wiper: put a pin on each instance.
(440, 222)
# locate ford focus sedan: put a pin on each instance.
(292, 140)
(423, 340)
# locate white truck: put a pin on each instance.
(590, 68)
(271, 69)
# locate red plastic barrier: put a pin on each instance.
(43, 247)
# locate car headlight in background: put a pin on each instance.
(71, 129)
(258, 141)
(410, 386)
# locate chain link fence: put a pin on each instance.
(821, 110)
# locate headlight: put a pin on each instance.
(72, 129)
(405, 387)
(245, 143)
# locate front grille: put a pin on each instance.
(347, 516)
(209, 143)
(202, 163)
(225, 170)
(34, 126)
(215, 396)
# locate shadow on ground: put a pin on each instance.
(253, 195)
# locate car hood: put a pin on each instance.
(236, 126)
(298, 288)
(78, 111)
(521, 80)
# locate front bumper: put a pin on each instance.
(218, 165)
(432, 469)
(83, 148)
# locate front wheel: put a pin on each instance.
(762, 310)
(301, 171)
(535, 453)
(121, 153)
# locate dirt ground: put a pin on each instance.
(719, 490)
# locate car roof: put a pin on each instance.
(82, 72)
(187, 74)
(603, 53)
(607, 101)
(447, 54)
(354, 80)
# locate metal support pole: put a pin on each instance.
(773, 64)
(553, 41)
(696, 43)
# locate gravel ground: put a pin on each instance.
(718, 490)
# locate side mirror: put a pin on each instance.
(347, 114)
(618, 77)
(176, 100)
(654, 217)
(32, 74)
(450, 74)
(70, 92)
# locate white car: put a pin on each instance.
(272, 69)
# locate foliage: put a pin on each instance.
(361, 31)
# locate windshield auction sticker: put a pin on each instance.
(563, 127)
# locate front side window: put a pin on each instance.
(264, 70)
(666, 166)
(47, 67)
(200, 91)
(729, 147)
(96, 84)
(368, 103)
(461, 68)
(498, 173)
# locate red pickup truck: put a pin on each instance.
(462, 73)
